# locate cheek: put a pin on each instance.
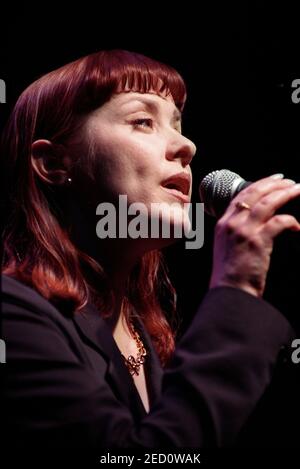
(138, 166)
(144, 157)
(148, 163)
(126, 163)
(122, 171)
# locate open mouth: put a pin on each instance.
(179, 186)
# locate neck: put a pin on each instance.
(116, 256)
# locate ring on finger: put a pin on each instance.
(242, 205)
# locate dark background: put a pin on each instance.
(238, 61)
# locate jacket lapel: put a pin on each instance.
(99, 334)
(154, 371)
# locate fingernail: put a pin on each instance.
(296, 186)
(290, 181)
(277, 176)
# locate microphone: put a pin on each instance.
(218, 188)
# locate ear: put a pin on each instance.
(50, 162)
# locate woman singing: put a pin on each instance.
(87, 321)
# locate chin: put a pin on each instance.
(173, 224)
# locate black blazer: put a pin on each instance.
(65, 382)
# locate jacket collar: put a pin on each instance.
(98, 332)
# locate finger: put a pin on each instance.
(267, 205)
(278, 224)
(256, 191)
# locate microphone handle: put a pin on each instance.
(242, 185)
(218, 204)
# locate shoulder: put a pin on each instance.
(32, 327)
(24, 307)
(16, 293)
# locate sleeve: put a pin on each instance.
(219, 370)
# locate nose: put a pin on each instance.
(181, 147)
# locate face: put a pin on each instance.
(134, 145)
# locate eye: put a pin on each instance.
(143, 122)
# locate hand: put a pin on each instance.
(244, 237)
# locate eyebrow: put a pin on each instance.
(153, 106)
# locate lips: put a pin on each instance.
(178, 185)
(180, 182)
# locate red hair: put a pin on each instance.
(37, 249)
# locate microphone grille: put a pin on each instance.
(216, 190)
